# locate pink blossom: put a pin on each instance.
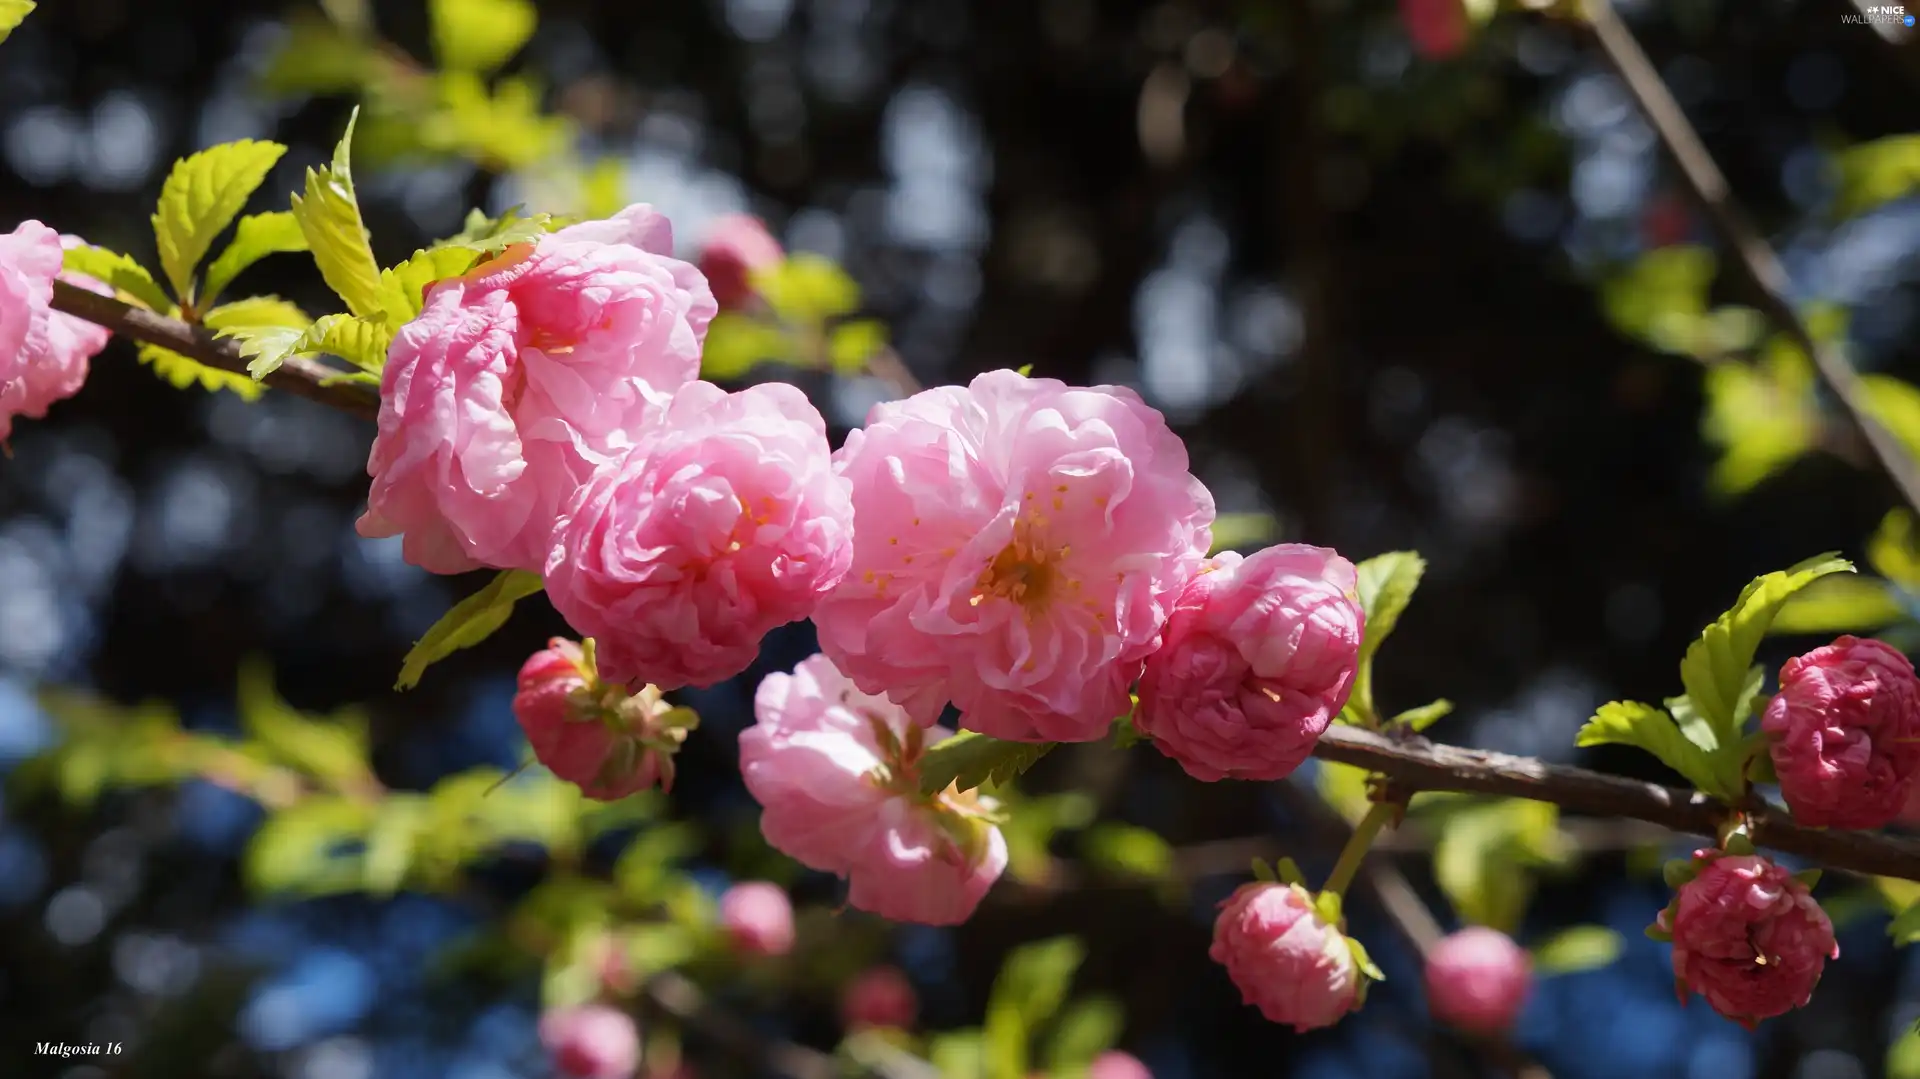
(519, 378)
(44, 354)
(1019, 544)
(758, 918)
(1285, 959)
(1113, 1064)
(1747, 936)
(1478, 980)
(1257, 659)
(596, 735)
(836, 772)
(1439, 28)
(725, 521)
(1845, 734)
(880, 997)
(737, 246)
(591, 1042)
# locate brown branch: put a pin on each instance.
(299, 376)
(1752, 254)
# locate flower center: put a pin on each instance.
(1026, 571)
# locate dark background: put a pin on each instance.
(1361, 284)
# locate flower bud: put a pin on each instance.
(1747, 935)
(758, 918)
(594, 734)
(1284, 957)
(880, 997)
(1844, 732)
(737, 245)
(1114, 1064)
(1478, 980)
(591, 1042)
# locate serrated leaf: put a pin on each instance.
(1419, 719)
(199, 200)
(256, 237)
(480, 35)
(1840, 605)
(183, 372)
(256, 311)
(12, 14)
(120, 273)
(329, 217)
(402, 287)
(1905, 927)
(969, 759)
(1575, 949)
(1631, 723)
(1387, 584)
(1717, 665)
(1089, 1027)
(471, 621)
(361, 342)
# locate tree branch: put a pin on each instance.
(1752, 254)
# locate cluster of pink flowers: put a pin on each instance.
(43, 354)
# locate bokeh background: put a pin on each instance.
(1393, 300)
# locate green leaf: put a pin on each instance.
(1236, 531)
(738, 343)
(1631, 723)
(183, 372)
(851, 345)
(1654, 932)
(646, 867)
(316, 56)
(1364, 961)
(1025, 370)
(1287, 871)
(1387, 584)
(1679, 871)
(480, 35)
(1129, 850)
(1763, 416)
(1032, 986)
(1903, 1056)
(492, 235)
(1484, 851)
(256, 311)
(1579, 948)
(1087, 1028)
(1893, 550)
(310, 848)
(659, 947)
(1875, 173)
(199, 200)
(1840, 605)
(471, 621)
(120, 273)
(333, 751)
(256, 237)
(1419, 719)
(972, 760)
(807, 289)
(12, 14)
(1264, 872)
(1896, 405)
(1905, 927)
(391, 842)
(1662, 298)
(1716, 668)
(958, 1055)
(329, 217)
(403, 286)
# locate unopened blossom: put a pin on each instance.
(757, 917)
(1439, 28)
(1257, 659)
(880, 997)
(44, 354)
(738, 246)
(836, 772)
(595, 734)
(1747, 936)
(724, 522)
(1844, 732)
(1284, 957)
(521, 377)
(1478, 980)
(594, 1041)
(1114, 1064)
(1018, 545)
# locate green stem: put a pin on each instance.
(1358, 843)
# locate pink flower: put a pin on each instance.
(880, 997)
(725, 521)
(608, 742)
(591, 1042)
(736, 247)
(43, 353)
(836, 772)
(1845, 734)
(1114, 1064)
(1255, 662)
(758, 918)
(1019, 544)
(520, 378)
(1478, 980)
(1439, 28)
(1747, 936)
(1284, 958)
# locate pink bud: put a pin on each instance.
(1284, 958)
(1845, 734)
(1478, 980)
(881, 997)
(591, 1042)
(758, 918)
(598, 736)
(1117, 1065)
(737, 245)
(1747, 936)
(1439, 28)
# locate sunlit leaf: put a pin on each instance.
(316, 56)
(1128, 849)
(471, 621)
(1763, 416)
(1894, 551)
(120, 273)
(256, 237)
(1875, 173)
(1029, 991)
(183, 372)
(1631, 723)
(1662, 298)
(1840, 604)
(969, 760)
(480, 35)
(199, 200)
(12, 14)
(1578, 948)
(391, 842)
(331, 749)
(851, 345)
(1239, 531)
(402, 286)
(1088, 1027)
(329, 217)
(736, 343)
(314, 847)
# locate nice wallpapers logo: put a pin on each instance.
(62, 1049)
